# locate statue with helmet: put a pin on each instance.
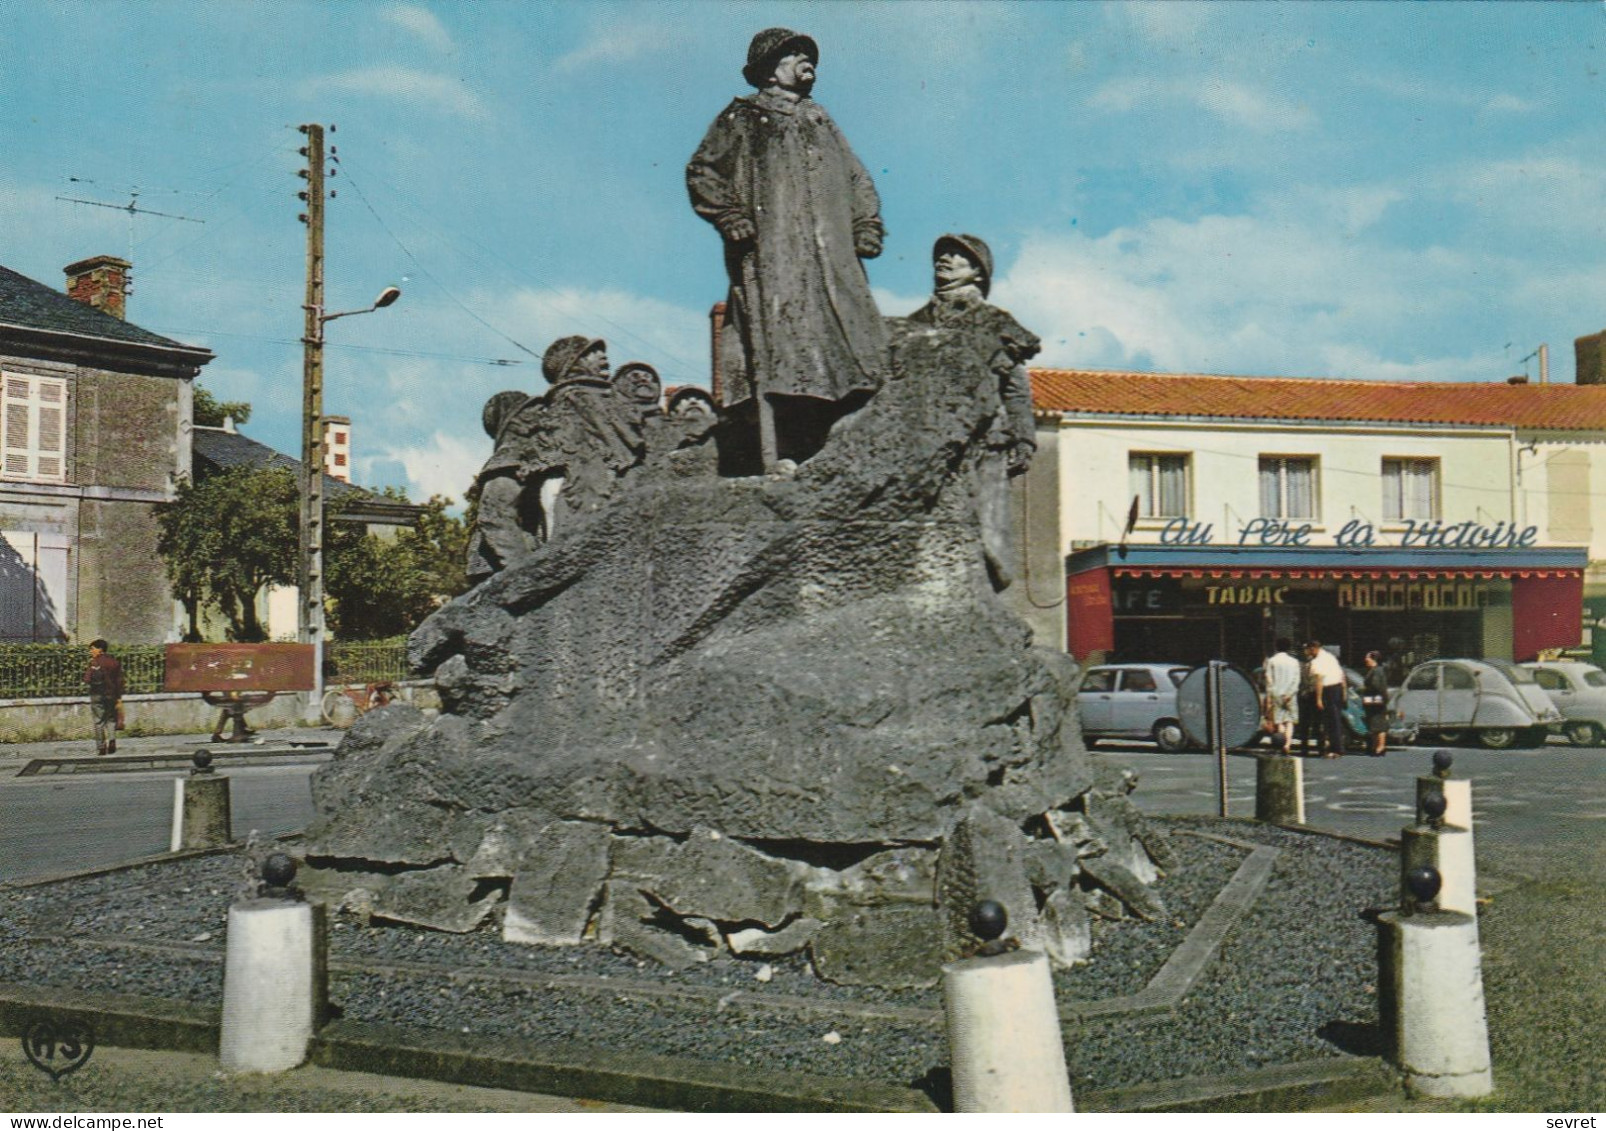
(558, 455)
(803, 342)
(702, 693)
(963, 269)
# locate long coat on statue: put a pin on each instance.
(799, 320)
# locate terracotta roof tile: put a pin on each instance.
(1107, 392)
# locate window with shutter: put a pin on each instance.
(33, 428)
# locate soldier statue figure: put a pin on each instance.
(803, 341)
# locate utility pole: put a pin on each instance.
(310, 621)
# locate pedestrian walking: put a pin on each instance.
(105, 679)
(1375, 700)
(1327, 675)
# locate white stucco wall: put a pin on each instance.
(1475, 474)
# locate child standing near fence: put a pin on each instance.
(105, 679)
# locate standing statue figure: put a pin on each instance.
(502, 529)
(963, 270)
(803, 341)
(558, 456)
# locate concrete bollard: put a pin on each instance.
(1457, 793)
(1279, 789)
(274, 976)
(1445, 849)
(201, 817)
(1004, 1039)
(1431, 996)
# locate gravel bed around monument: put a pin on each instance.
(1297, 970)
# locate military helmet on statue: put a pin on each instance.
(973, 248)
(561, 357)
(769, 47)
(499, 408)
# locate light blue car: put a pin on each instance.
(1579, 692)
(1133, 701)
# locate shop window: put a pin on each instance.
(1410, 489)
(33, 428)
(1287, 487)
(1160, 483)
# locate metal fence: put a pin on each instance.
(39, 671)
(367, 663)
(43, 671)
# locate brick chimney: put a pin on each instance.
(1590, 354)
(102, 281)
(337, 447)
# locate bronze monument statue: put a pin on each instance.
(803, 341)
(963, 269)
(691, 715)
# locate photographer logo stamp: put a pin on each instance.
(58, 1045)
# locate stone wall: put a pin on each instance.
(122, 586)
(127, 429)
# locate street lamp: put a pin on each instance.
(310, 621)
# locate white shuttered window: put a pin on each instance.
(33, 428)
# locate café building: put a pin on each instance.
(1182, 518)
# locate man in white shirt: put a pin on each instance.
(1328, 676)
(1282, 691)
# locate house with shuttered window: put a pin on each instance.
(94, 431)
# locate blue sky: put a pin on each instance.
(1382, 191)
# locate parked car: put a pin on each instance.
(1133, 701)
(1579, 692)
(1496, 701)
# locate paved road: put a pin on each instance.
(1557, 792)
(62, 824)
(1551, 796)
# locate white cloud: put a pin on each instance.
(443, 463)
(1538, 190)
(403, 84)
(1244, 294)
(1233, 102)
(618, 43)
(1448, 94)
(1168, 24)
(422, 23)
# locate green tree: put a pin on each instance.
(225, 538)
(209, 411)
(383, 587)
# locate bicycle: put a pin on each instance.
(343, 706)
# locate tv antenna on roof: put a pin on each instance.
(133, 209)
